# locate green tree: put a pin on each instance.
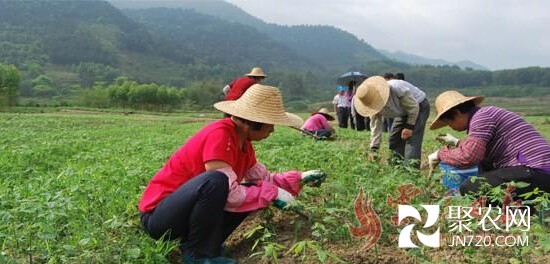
(9, 85)
(43, 86)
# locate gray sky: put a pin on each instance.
(498, 34)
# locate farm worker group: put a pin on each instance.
(504, 146)
(213, 182)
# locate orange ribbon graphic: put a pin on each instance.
(369, 222)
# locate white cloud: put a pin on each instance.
(495, 33)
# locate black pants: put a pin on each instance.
(344, 115)
(362, 122)
(535, 178)
(195, 214)
(387, 123)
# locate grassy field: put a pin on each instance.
(70, 182)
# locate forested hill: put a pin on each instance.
(63, 48)
(80, 42)
(324, 45)
(212, 41)
(68, 32)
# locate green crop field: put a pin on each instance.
(70, 182)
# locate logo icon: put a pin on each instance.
(370, 226)
(405, 211)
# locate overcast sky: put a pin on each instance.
(498, 34)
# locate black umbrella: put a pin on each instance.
(347, 77)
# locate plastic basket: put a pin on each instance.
(453, 177)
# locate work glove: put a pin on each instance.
(433, 160)
(283, 198)
(313, 178)
(447, 139)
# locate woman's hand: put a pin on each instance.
(313, 178)
(406, 133)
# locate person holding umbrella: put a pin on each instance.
(211, 184)
(350, 80)
(406, 103)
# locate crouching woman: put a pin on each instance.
(318, 124)
(505, 147)
(199, 196)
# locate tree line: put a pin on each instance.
(103, 86)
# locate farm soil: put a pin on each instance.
(352, 251)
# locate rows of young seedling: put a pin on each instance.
(70, 184)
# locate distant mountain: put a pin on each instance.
(61, 47)
(418, 60)
(216, 8)
(187, 34)
(68, 32)
(155, 45)
(314, 42)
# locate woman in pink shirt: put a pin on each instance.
(318, 124)
(209, 186)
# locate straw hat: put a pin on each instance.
(372, 95)
(260, 103)
(326, 113)
(256, 72)
(447, 100)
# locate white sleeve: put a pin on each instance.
(226, 89)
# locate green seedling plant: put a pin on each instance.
(70, 183)
(304, 248)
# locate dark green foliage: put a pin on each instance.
(189, 37)
(9, 85)
(64, 32)
(94, 72)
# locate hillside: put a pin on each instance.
(187, 34)
(315, 42)
(53, 37)
(64, 48)
(62, 32)
(161, 45)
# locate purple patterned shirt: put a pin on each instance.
(511, 141)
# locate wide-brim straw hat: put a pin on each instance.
(371, 96)
(256, 72)
(447, 100)
(326, 113)
(260, 103)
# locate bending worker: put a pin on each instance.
(503, 145)
(398, 99)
